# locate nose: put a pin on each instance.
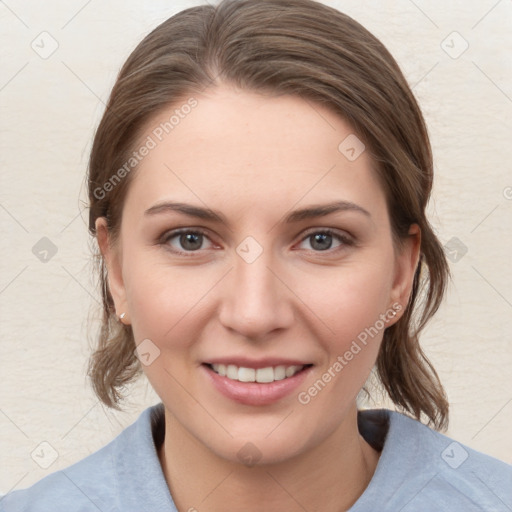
(256, 300)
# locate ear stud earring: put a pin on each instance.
(121, 316)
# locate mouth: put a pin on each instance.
(265, 385)
(264, 375)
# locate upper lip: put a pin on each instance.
(256, 363)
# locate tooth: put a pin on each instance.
(232, 372)
(279, 373)
(291, 370)
(265, 374)
(261, 375)
(246, 374)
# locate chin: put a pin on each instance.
(253, 446)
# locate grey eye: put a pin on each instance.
(191, 241)
(321, 241)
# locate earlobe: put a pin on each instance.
(406, 264)
(113, 264)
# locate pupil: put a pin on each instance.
(191, 241)
(322, 237)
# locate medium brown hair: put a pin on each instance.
(280, 47)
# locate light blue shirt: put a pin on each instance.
(419, 470)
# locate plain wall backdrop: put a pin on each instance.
(59, 63)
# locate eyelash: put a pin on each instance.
(169, 235)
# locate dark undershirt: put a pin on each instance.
(373, 425)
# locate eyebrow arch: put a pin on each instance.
(325, 209)
(295, 216)
(187, 209)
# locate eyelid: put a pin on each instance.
(331, 231)
(172, 233)
(342, 236)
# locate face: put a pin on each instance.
(246, 277)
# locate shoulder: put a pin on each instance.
(77, 487)
(422, 469)
(93, 483)
(82, 486)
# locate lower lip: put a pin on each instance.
(254, 393)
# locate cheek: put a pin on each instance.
(161, 297)
(355, 309)
(348, 299)
(166, 308)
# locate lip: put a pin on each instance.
(257, 363)
(254, 393)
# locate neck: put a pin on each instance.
(330, 477)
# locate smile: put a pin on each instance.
(260, 375)
(265, 385)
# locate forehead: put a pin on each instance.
(240, 149)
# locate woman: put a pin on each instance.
(258, 186)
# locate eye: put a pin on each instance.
(185, 240)
(322, 240)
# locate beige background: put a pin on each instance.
(49, 109)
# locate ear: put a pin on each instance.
(113, 261)
(406, 263)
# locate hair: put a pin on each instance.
(280, 47)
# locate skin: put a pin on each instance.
(256, 158)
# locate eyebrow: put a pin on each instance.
(309, 212)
